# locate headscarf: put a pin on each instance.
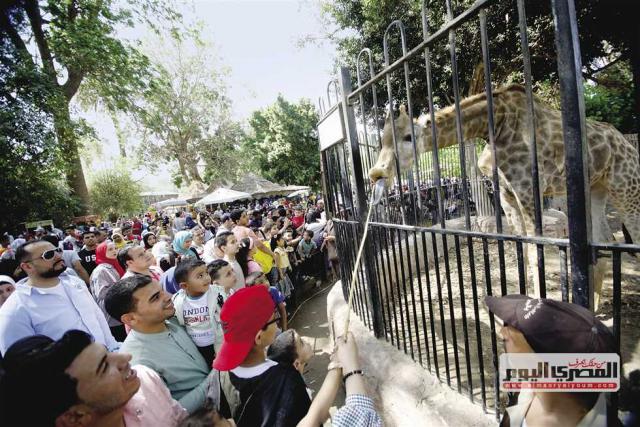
(178, 243)
(145, 240)
(189, 222)
(101, 257)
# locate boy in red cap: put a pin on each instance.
(270, 394)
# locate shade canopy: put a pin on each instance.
(222, 195)
(297, 190)
(171, 202)
(258, 186)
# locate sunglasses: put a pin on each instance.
(48, 255)
(276, 319)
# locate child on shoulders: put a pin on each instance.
(196, 305)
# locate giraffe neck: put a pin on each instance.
(474, 122)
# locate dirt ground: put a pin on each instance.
(310, 322)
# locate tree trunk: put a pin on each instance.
(183, 171)
(120, 134)
(635, 70)
(192, 169)
(73, 166)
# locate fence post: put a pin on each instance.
(575, 148)
(361, 197)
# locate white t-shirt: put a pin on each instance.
(197, 320)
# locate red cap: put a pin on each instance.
(242, 316)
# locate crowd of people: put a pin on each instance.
(182, 320)
(167, 320)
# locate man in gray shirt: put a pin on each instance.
(157, 341)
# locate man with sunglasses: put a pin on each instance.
(48, 302)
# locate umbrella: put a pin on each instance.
(222, 195)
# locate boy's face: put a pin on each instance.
(304, 351)
(231, 248)
(198, 281)
(226, 277)
(307, 238)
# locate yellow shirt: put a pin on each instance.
(264, 259)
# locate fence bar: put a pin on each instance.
(430, 304)
(413, 296)
(492, 326)
(465, 332)
(443, 329)
(352, 138)
(533, 145)
(459, 132)
(434, 135)
(443, 31)
(424, 317)
(573, 129)
(392, 302)
(564, 280)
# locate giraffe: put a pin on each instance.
(614, 172)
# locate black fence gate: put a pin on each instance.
(428, 261)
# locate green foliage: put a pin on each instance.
(611, 99)
(284, 143)
(186, 116)
(75, 45)
(30, 159)
(354, 25)
(114, 192)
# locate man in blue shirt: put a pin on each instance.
(49, 302)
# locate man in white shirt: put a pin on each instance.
(48, 302)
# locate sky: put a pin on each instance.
(258, 41)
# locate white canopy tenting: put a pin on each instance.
(222, 195)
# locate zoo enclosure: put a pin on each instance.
(420, 282)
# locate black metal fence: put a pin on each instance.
(422, 278)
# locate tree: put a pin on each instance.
(611, 100)
(608, 33)
(284, 143)
(113, 192)
(77, 46)
(30, 159)
(185, 117)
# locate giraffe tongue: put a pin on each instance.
(378, 190)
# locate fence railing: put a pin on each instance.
(422, 282)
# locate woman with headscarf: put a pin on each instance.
(148, 240)
(189, 222)
(198, 241)
(105, 275)
(182, 245)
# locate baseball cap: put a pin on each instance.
(553, 326)
(242, 316)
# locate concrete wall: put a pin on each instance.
(404, 392)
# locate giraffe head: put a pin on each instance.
(384, 169)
